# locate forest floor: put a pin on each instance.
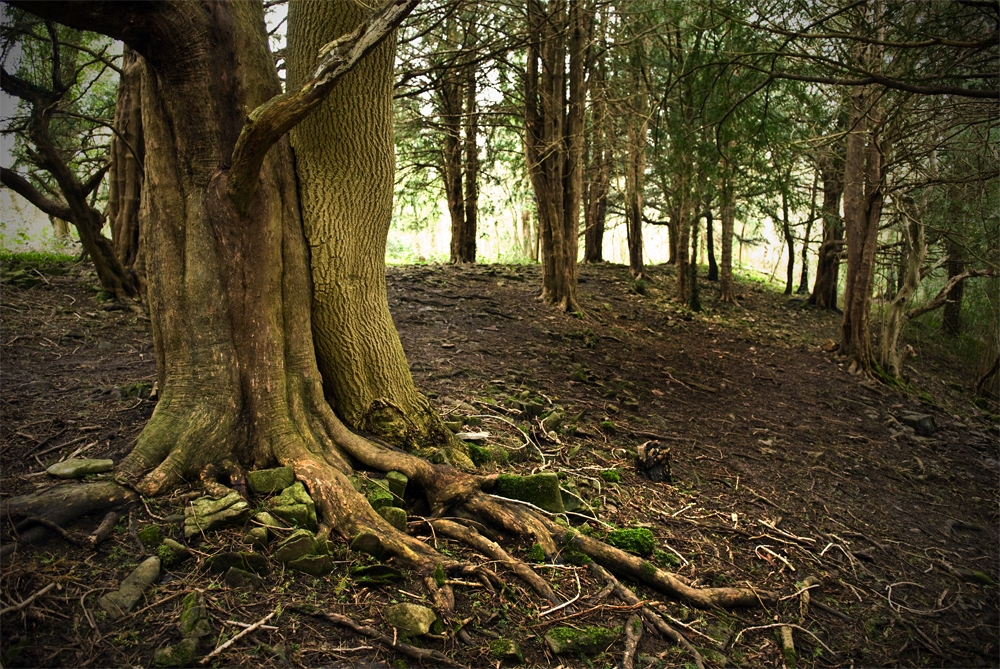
(784, 467)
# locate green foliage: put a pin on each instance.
(536, 554)
(611, 475)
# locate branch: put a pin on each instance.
(95, 180)
(942, 295)
(22, 88)
(270, 121)
(20, 185)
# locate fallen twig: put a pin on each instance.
(251, 628)
(29, 600)
(772, 626)
(633, 635)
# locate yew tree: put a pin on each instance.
(266, 284)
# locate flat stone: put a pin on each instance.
(76, 468)
(316, 565)
(542, 490)
(180, 654)
(376, 574)
(123, 600)
(172, 552)
(413, 619)
(267, 481)
(239, 578)
(395, 516)
(570, 496)
(296, 545)
(221, 562)
(379, 495)
(194, 622)
(922, 423)
(206, 514)
(397, 483)
(254, 562)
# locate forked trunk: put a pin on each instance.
(126, 174)
(914, 252)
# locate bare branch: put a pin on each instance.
(942, 295)
(22, 187)
(274, 118)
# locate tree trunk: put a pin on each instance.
(824, 294)
(786, 229)
(346, 186)
(126, 174)
(694, 300)
(468, 241)
(635, 162)
(914, 252)
(728, 212)
(863, 183)
(804, 276)
(952, 317)
(713, 267)
(685, 213)
(596, 204)
(554, 141)
(450, 94)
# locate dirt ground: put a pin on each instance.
(784, 467)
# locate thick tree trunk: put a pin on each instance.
(952, 316)
(824, 294)
(126, 174)
(346, 175)
(554, 141)
(863, 183)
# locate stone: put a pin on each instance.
(379, 495)
(206, 514)
(180, 654)
(150, 536)
(367, 542)
(117, 604)
(267, 481)
(506, 650)
(239, 578)
(194, 623)
(295, 506)
(412, 619)
(172, 552)
(296, 545)
(266, 520)
(542, 490)
(553, 421)
(571, 496)
(923, 424)
(221, 562)
(590, 640)
(355, 482)
(397, 483)
(395, 516)
(317, 565)
(76, 468)
(376, 574)
(258, 537)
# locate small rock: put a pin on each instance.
(172, 552)
(397, 483)
(267, 520)
(829, 346)
(180, 654)
(238, 578)
(922, 424)
(150, 536)
(571, 496)
(194, 623)
(123, 600)
(553, 421)
(355, 482)
(367, 542)
(206, 514)
(298, 544)
(542, 490)
(379, 495)
(295, 506)
(413, 619)
(376, 574)
(267, 481)
(506, 650)
(317, 565)
(395, 516)
(258, 537)
(254, 562)
(222, 562)
(76, 468)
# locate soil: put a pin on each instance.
(784, 466)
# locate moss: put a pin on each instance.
(504, 649)
(480, 456)
(611, 476)
(637, 540)
(648, 569)
(150, 536)
(536, 554)
(609, 426)
(665, 559)
(575, 557)
(439, 576)
(542, 490)
(591, 639)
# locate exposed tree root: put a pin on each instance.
(422, 654)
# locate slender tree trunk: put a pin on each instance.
(634, 179)
(728, 211)
(694, 299)
(468, 242)
(824, 294)
(450, 95)
(713, 267)
(786, 228)
(596, 206)
(914, 251)
(804, 276)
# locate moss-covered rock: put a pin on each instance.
(395, 516)
(379, 495)
(258, 537)
(480, 456)
(117, 604)
(76, 468)
(150, 536)
(206, 514)
(397, 482)
(638, 540)
(369, 543)
(591, 640)
(194, 622)
(542, 490)
(507, 651)
(180, 654)
(296, 545)
(172, 552)
(241, 579)
(267, 481)
(611, 476)
(315, 565)
(412, 619)
(536, 554)
(295, 506)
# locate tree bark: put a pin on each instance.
(126, 175)
(804, 276)
(728, 212)
(596, 195)
(713, 266)
(914, 252)
(824, 294)
(468, 245)
(786, 229)
(637, 124)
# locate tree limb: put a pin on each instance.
(22, 187)
(270, 121)
(942, 295)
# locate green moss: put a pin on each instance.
(611, 476)
(591, 639)
(575, 557)
(379, 495)
(665, 559)
(480, 456)
(609, 426)
(536, 554)
(150, 536)
(648, 569)
(637, 540)
(542, 490)
(439, 576)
